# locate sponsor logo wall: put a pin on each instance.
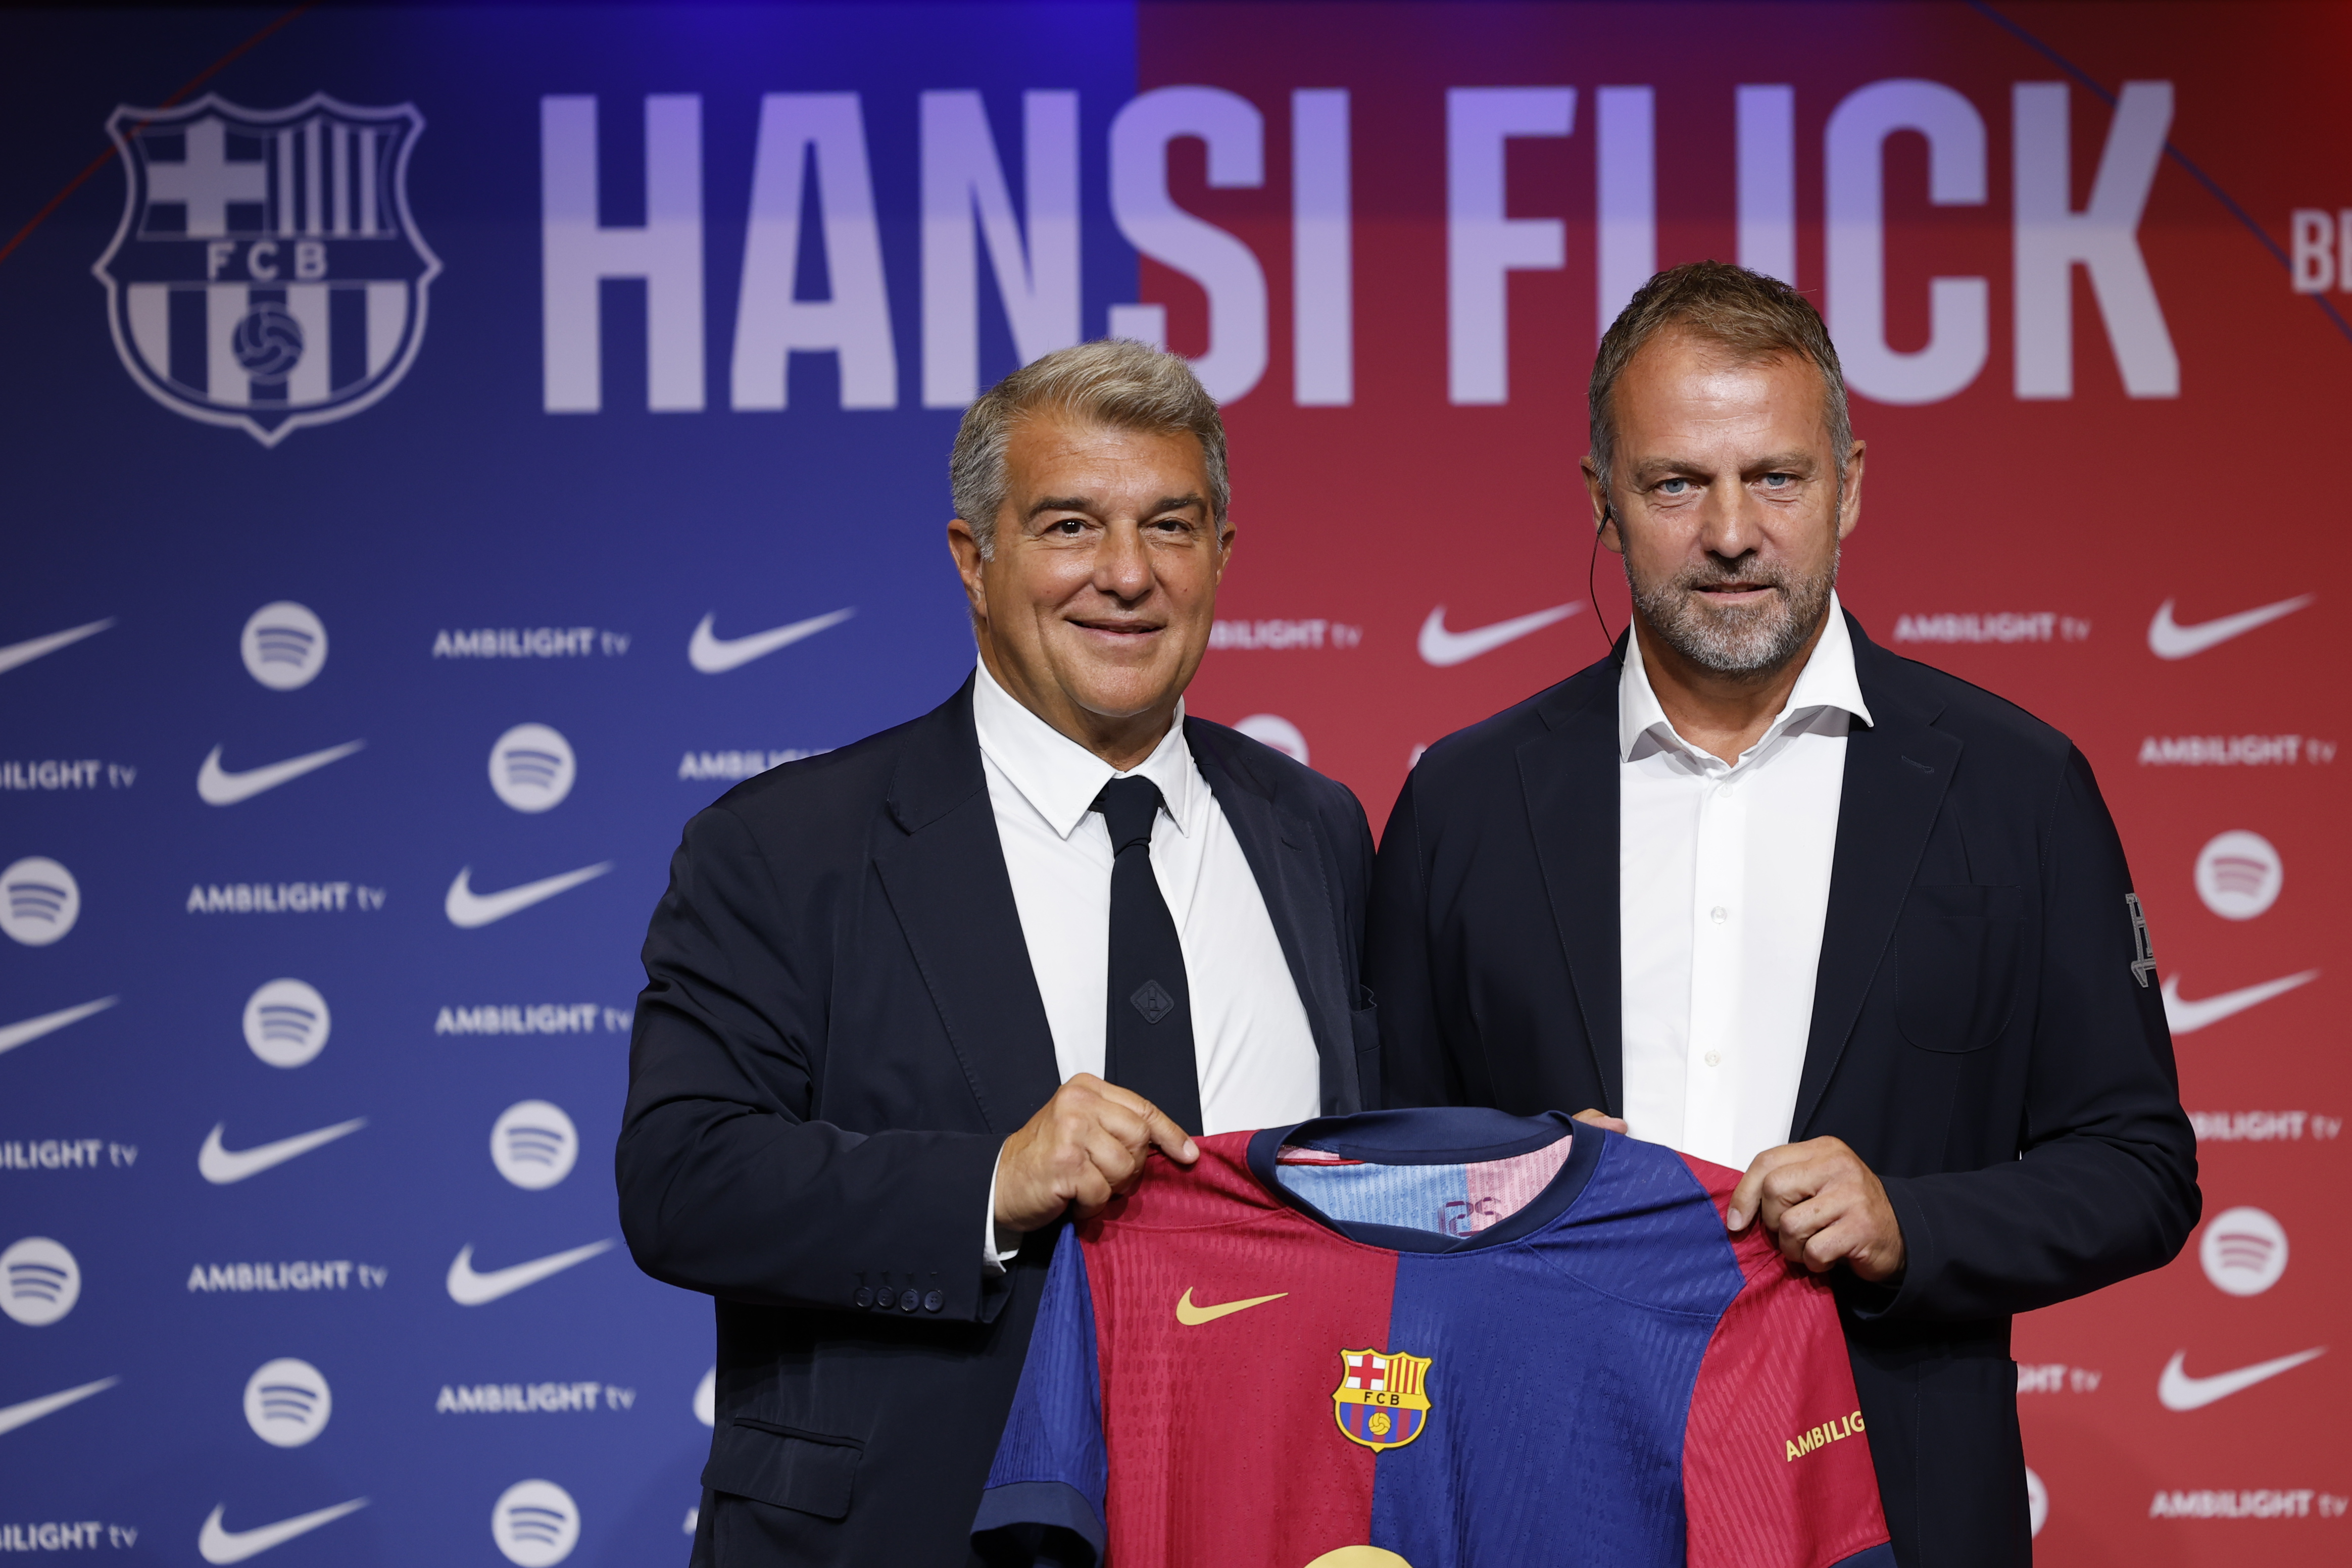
(465, 441)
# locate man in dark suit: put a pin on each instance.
(1756, 888)
(911, 1001)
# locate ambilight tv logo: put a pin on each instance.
(267, 273)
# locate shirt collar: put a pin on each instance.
(1828, 680)
(1059, 777)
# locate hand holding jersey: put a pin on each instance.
(1083, 1147)
(1817, 1202)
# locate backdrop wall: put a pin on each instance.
(449, 444)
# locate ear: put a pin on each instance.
(963, 545)
(1605, 518)
(1850, 504)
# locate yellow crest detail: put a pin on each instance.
(1383, 1400)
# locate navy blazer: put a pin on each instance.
(839, 1029)
(1983, 1034)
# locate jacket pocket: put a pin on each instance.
(1956, 952)
(783, 1465)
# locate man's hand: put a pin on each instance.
(1085, 1146)
(1602, 1119)
(1821, 1206)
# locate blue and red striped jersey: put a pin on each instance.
(1438, 1339)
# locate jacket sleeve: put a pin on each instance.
(1416, 1067)
(2106, 1183)
(727, 1185)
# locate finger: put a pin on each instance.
(1801, 1222)
(1747, 1196)
(1114, 1159)
(1602, 1119)
(1171, 1139)
(1846, 1236)
(1089, 1191)
(1140, 1122)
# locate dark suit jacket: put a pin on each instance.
(839, 1030)
(1979, 1034)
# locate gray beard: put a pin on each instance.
(1746, 639)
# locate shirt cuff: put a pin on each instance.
(998, 1246)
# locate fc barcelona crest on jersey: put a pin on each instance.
(267, 273)
(1383, 1400)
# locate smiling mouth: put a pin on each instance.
(1119, 628)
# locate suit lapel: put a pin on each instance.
(1282, 849)
(942, 866)
(1895, 775)
(1569, 776)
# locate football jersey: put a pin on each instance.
(1433, 1339)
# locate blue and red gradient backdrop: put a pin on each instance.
(643, 330)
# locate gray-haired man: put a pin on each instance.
(911, 1001)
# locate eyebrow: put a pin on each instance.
(1774, 462)
(1081, 503)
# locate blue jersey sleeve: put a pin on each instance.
(1043, 1502)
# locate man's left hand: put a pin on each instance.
(1821, 1206)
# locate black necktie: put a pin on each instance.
(1147, 1046)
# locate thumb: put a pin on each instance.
(1171, 1139)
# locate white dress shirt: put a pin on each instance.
(1723, 884)
(1251, 1040)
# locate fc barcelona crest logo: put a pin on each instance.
(267, 273)
(1383, 1400)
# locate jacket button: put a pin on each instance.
(909, 1299)
(865, 1296)
(935, 1300)
(884, 1297)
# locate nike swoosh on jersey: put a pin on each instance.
(217, 786)
(15, 1416)
(1189, 1315)
(467, 909)
(1443, 648)
(468, 1289)
(27, 1029)
(716, 655)
(31, 648)
(2186, 1015)
(221, 1166)
(2166, 638)
(216, 1544)
(2179, 1391)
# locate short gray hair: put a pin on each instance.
(1747, 315)
(1115, 382)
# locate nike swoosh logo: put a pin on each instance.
(217, 1545)
(1190, 1315)
(1443, 648)
(217, 786)
(2166, 638)
(467, 909)
(17, 1034)
(468, 1289)
(15, 1416)
(26, 652)
(2188, 1016)
(716, 655)
(2179, 1391)
(221, 1166)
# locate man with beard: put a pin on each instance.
(1756, 888)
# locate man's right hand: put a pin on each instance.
(1083, 1147)
(1602, 1119)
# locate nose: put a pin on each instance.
(1123, 563)
(1729, 522)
